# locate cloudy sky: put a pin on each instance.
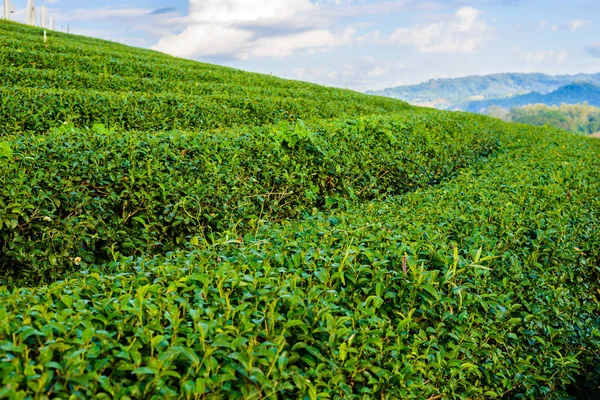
(358, 44)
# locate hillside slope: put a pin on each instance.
(173, 229)
(457, 93)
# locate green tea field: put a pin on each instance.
(175, 229)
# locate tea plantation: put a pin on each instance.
(173, 229)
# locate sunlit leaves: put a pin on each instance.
(288, 241)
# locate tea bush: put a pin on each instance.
(38, 110)
(490, 304)
(173, 229)
(95, 192)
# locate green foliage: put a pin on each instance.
(172, 229)
(579, 118)
(93, 193)
(6, 152)
(39, 110)
(321, 305)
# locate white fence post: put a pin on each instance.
(44, 12)
(31, 17)
(9, 8)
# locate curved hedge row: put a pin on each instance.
(38, 110)
(211, 84)
(147, 67)
(455, 291)
(136, 192)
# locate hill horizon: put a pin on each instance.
(573, 93)
(460, 93)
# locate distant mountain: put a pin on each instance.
(574, 93)
(458, 93)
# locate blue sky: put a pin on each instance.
(358, 44)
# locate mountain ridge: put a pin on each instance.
(573, 93)
(457, 93)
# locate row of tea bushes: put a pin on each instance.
(38, 110)
(176, 75)
(481, 287)
(72, 77)
(91, 193)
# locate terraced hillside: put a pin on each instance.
(172, 229)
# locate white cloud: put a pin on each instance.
(545, 57)
(463, 32)
(141, 19)
(114, 36)
(382, 7)
(360, 74)
(235, 11)
(572, 25)
(286, 45)
(578, 24)
(103, 13)
(252, 28)
(376, 72)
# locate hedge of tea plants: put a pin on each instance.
(263, 238)
(38, 110)
(93, 192)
